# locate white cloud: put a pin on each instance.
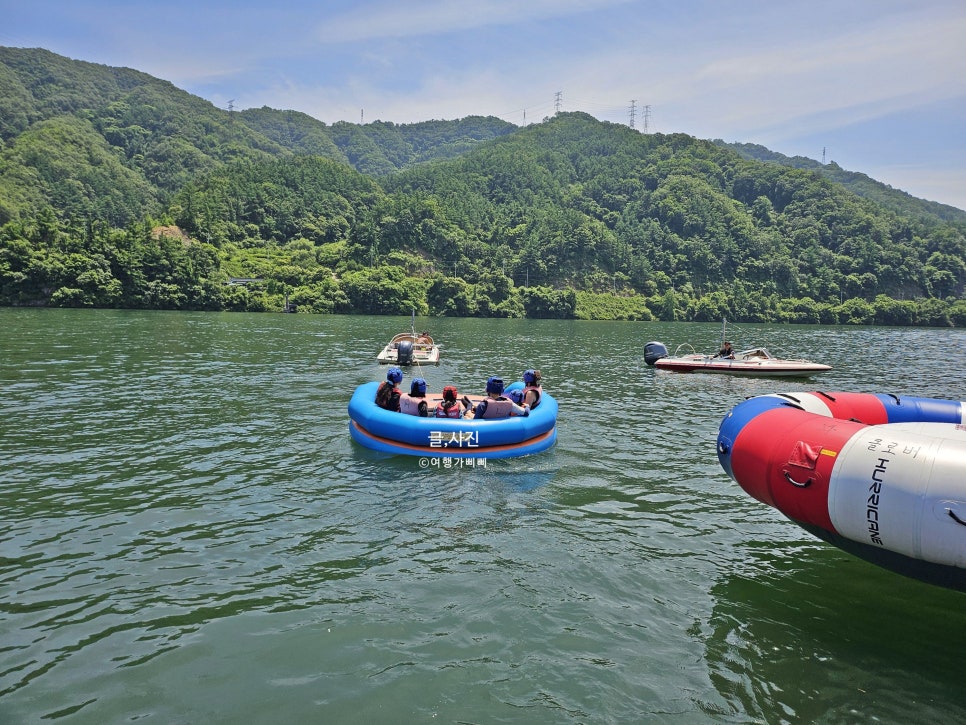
(373, 21)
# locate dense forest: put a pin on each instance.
(119, 190)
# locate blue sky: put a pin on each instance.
(878, 86)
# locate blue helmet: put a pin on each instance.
(495, 385)
(529, 376)
(418, 387)
(516, 396)
(394, 375)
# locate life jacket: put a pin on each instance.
(495, 408)
(387, 397)
(453, 411)
(538, 389)
(410, 405)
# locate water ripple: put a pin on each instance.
(191, 535)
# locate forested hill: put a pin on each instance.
(376, 148)
(856, 182)
(116, 143)
(118, 189)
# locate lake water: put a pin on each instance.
(189, 535)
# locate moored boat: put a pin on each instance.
(391, 432)
(884, 480)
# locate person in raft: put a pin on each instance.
(495, 405)
(450, 407)
(532, 388)
(415, 403)
(726, 352)
(388, 395)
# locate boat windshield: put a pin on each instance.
(754, 353)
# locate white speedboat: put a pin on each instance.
(410, 348)
(755, 361)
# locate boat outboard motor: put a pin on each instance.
(654, 351)
(404, 352)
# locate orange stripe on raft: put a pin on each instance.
(452, 452)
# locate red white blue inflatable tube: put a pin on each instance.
(880, 476)
(391, 432)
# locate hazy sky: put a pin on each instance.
(878, 86)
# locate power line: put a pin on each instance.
(598, 109)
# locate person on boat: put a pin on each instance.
(532, 388)
(388, 395)
(726, 352)
(415, 403)
(496, 405)
(451, 406)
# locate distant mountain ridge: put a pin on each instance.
(119, 189)
(858, 183)
(166, 136)
(37, 85)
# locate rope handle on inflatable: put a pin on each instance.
(796, 403)
(954, 517)
(799, 484)
(895, 398)
(825, 395)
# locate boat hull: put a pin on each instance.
(397, 433)
(761, 369)
(885, 480)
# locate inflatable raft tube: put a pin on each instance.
(883, 477)
(391, 432)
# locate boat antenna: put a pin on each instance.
(724, 330)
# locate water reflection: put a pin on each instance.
(809, 632)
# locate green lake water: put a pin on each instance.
(189, 535)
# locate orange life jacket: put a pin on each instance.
(410, 405)
(453, 411)
(496, 408)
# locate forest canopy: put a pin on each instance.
(119, 190)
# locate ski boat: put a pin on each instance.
(882, 477)
(397, 433)
(755, 361)
(410, 348)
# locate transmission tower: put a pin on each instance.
(633, 112)
(647, 117)
(556, 101)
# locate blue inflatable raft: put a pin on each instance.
(391, 432)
